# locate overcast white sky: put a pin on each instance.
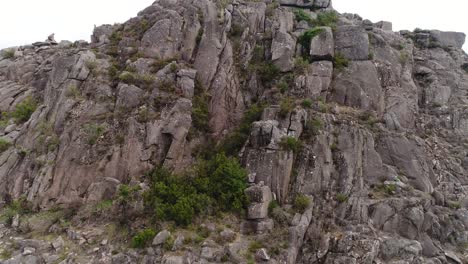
(27, 21)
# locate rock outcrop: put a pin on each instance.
(359, 154)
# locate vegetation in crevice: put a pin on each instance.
(340, 61)
(234, 142)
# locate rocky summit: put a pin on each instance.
(236, 131)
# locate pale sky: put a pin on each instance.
(27, 21)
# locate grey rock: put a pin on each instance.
(352, 42)
(58, 244)
(448, 39)
(161, 237)
(399, 248)
(128, 96)
(322, 46)
(262, 255)
(385, 25)
(315, 81)
(283, 45)
(260, 198)
(359, 86)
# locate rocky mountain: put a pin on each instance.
(352, 140)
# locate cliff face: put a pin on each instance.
(381, 118)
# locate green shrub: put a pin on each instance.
(301, 203)
(326, 19)
(286, 106)
(300, 65)
(282, 86)
(4, 145)
(268, 72)
(313, 127)
(169, 243)
(200, 109)
(254, 246)
(6, 254)
(301, 15)
(16, 207)
(291, 144)
(126, 193)
(91, 65)
(72, 92)
(305, 38)
(454, 204)
(306, 103)
(341, 198)
(93, 132)
(143, 238)
(272, 206)
(8, 54)
(234, 142)
(217, 184)
(24, 110)
(404, 57)
(340, 62)
(158, 65)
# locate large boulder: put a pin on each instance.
(359, 86)
(283, 46)
(322, 46)
(448, 38)
(352, 42)
(315, 81)
(259, 197)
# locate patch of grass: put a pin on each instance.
(301, 15)
(272, 206)
(4, 145)
(312, 127)
(267, 71)
(20, 206)
(93, 132)
(8, 54)
(5, 254)
(48, 139)
(340, 62)
(286, 106)
(283, 87)
(143, 238)
(454, 205)
(169, 243)
(306, 103)
(341, 197)
(24, 110)
(103, 205)
(254, 246)
(291, 144)
(326, 19)
(300, 65)
(301, 203)
(91, 65)
(404, 57)
(73, 92)
(158, 65)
